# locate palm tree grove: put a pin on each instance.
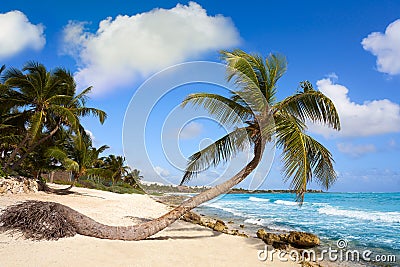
(41, 130)
(41, 133)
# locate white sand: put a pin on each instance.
(181, 244)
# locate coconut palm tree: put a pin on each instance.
(254, 103)
(133, 178)
(48, 102)
(79, 156)
(116, 167)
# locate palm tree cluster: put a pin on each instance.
(41, 130)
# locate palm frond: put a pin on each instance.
(246, 78)
(85, 111)
(276, 66)
(295, 157)
(225, 110)
(220, 151)
(36, 124)
(303, 157)
(312, 105)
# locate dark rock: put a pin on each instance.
(230, 222)
(302, 240)
(241, 226)
(219, 226)
(280, 245)
(191, 217)
(268, 238)
(242, 235)
(234, 232)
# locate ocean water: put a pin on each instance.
(365, 220)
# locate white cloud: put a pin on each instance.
(370, 118)
(128, 47)
(18, 34)
(386, 47)
(160, 171)
(90, 135)
(356, 150)
(191, 130)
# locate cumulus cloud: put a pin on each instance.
(18, 34)
(356, 150)
(386, 47)
(90, 135)
(191, 130)
(369, 118)
(160, 171)
(128, 47)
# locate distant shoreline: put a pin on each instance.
(269, 191)
(155, 188)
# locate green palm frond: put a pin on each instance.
(295, 157)
(85, 111)
(36, 124)
(68, 117)
(239, 68)
(303, 157)
(225, 110)
(245, 77)
(82, 97)
(57, 153)
(220, 151)
(321, 163)
(312, 105)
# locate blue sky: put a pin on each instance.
(350, 50)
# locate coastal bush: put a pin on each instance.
(120, 187)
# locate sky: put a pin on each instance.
(349, 50)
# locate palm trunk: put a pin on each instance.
(89, 227)
(15, 151)
(32, 147)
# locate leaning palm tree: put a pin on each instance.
(254, 103)
(47, 100)
(133, 178)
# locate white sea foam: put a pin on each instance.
(286, 203)
(260, 222)
(376, 216)
(268, 223)
(227, 209)
(257, 199)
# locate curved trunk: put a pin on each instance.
(89, 227)
(44, 187)
(32, 147)
(15, 152)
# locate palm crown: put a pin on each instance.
(254, 103)
(41, 102)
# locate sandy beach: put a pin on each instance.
(181, 244)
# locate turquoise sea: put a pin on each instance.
(364, 220)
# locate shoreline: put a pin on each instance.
(233, 223)
(233, 228)
(181, 244)
(127, 209)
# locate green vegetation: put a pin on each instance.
(120, 187)
(41, 130)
